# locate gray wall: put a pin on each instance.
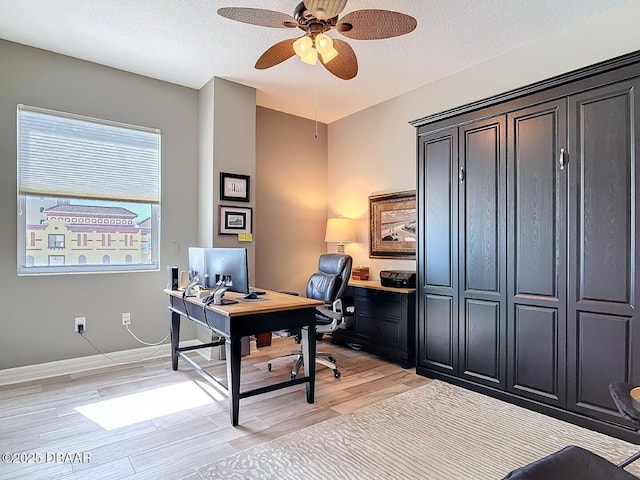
(37, 319)
(227, 115)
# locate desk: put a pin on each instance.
(232, 322)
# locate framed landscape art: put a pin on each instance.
(392, 225)
(234, 220)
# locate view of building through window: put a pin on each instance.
(88, 194)
(73, 232)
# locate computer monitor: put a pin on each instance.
(196, 264)
(228, 266)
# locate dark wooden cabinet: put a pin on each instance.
(537, 250)
(527, 251)
(438, 307)
(603, 320)
(384, 321)
(481, 250)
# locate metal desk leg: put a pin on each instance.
(175, 338)
(309, 356)
(233, 348)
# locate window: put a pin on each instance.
(82, 184)
(56, 259)
(56, 241)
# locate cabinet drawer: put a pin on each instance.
(385, 330)
(381, 303)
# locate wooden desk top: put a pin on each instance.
(375, 285)
(273, 302)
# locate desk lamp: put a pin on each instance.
(340, 230)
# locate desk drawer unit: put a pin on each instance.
(384, 321)
(380, 302)
(377, 328)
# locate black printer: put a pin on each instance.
(398, 278)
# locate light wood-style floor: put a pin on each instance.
(131, 434)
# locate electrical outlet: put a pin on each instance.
(126, 318)
(81, 324)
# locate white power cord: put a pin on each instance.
(113, 359)
(161, 342)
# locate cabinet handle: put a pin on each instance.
(562, 160)
(461, 174)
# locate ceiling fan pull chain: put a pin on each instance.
(315, 115)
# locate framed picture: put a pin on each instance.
(234, 220)
(392, 225)
(234, 187)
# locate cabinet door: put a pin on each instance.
(437, 255)
(603, 320)
(482, 252)
(536, 258)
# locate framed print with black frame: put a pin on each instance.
(234, 220)
(234, 187)
(392, 225)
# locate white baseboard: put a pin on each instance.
(82, 364)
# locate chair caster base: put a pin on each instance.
(336, 373)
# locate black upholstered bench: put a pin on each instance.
(576, 463)
(571, 463)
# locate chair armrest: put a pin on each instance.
(328, 312)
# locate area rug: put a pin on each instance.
(437, 431)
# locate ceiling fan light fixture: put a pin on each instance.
(311, 57)
(324, 46)
(303, 45)
(330, 55)
(324, 43)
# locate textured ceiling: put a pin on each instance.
(187, 43)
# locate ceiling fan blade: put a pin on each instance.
(259, 16)
(328, 8)
(278, 53)
(375, 24)
(345, 65)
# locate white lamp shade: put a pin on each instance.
(340, 230)
(323, 43)
(329, 55)
(302, 46)
(311, 57)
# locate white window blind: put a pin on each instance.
(63, 155)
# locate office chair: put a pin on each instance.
(327, 284)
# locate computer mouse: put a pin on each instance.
(251, 296)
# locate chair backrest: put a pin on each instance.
(331, 279)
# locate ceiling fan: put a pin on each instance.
(315, 18)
